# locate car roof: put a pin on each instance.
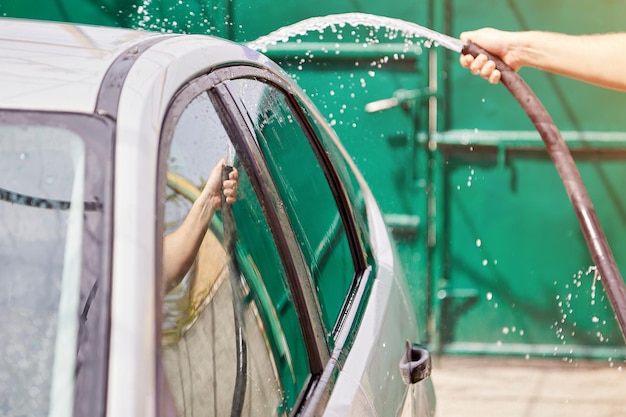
(60, 67)
(55, 66)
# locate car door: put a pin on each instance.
(251, 325)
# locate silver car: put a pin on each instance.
(181, 233)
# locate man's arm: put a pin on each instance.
(595, 59)
(181, 246)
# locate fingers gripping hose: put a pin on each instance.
(576, 191)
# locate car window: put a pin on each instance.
(231, 335)
(308, 199)
(41, 231)
(347, 172)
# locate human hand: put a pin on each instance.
(230, 186)
(212, 191)
(496, 42)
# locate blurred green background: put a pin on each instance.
(496, 260)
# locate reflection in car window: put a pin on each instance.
(41, 230)
(201, 348)
(305, 192)
(342, 163)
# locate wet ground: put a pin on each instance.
(511, 387)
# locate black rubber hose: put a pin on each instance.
(230, 237)
(574, 186)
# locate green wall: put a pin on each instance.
(484, 228)
(516, 206)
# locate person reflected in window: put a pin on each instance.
(181, 246)
(594, 59)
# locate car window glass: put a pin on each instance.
(231, 335)
(308, 199)
(346, 172)
(41, 229)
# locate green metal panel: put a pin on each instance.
(259, 17)
(89, 12)
(210, 17)
(472, 103)
(190, 16)
(516, 265)
(420, 157)
(516, 273)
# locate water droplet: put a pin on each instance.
(478, 243)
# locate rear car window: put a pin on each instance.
(305, 191)
(41, 230)
(231, 335)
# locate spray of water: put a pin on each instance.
(407, 29)
(531, 105)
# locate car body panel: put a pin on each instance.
(65, 64)
(67, 67)
(365, 386)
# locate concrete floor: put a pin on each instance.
(511, 387)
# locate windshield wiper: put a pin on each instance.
(45, 203)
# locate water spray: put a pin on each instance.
(551, 136)
(570, 176)
(566, 167)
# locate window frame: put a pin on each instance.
(346, 210)
(323, 363)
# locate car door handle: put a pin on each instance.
(415, 364)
